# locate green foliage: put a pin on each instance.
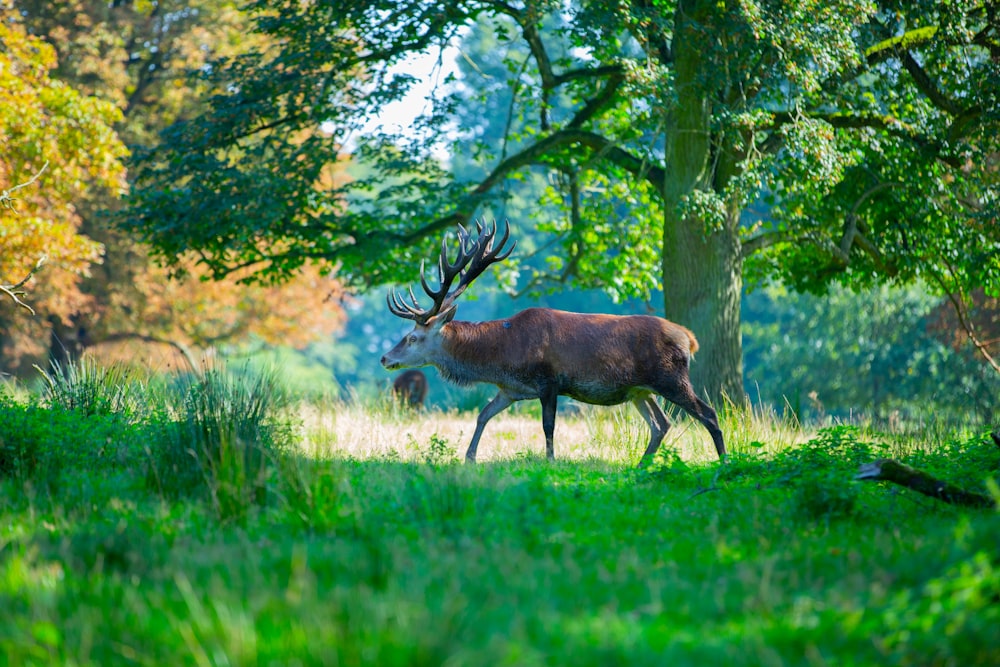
(871, 353)
(26, 440)
(818, 470)
(37, 442)
(828, 105)
(952, 619)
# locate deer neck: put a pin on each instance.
(471, 352)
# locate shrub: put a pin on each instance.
(37, 442)
(821, 471)
(25, 440)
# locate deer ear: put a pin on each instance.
(443, 317)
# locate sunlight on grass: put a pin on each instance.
(616, 434)
(361, 432)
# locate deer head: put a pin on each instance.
(475, 255)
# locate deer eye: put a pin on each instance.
(413, 339)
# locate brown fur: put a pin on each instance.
(410, 388)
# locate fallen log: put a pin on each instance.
(890, 470)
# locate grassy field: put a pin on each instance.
(211, 523)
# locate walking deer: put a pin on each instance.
(544, 353)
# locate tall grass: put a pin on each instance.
(90, 388)
(221, 434)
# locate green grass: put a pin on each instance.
(338, 534)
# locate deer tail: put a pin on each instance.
(693, 341)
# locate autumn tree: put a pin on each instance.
(137, 55)
(60, 144)
(836, 118)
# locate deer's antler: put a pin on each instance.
(474, 257)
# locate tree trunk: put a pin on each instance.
(702, 285)
(702, 268)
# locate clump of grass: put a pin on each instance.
(758, 428)
(93, 389)
(224, 439)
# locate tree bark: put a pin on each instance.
(702, 285)
(702, 268)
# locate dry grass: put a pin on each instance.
(617, 434)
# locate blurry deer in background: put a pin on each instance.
(410, 388)
(543, 353)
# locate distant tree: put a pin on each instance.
(62, 142)
(138, 55)
(672, 118)
(973, 318)
(877, 352)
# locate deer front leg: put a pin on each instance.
(550, 401)
(499, 403)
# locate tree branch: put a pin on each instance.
(183, 349)
(532, 155)
(764, 241)
(15, 292)
(963, 318)
(892, 46)
(853, 234)
(600, 101)
(605, 148)
(847, 120)
(928, 87)
(7, 201)
(890, 470)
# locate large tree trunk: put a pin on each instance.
(702, 285)
(702, 268)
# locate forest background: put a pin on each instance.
(854, 154)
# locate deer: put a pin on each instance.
(410, 388)
(543, 353)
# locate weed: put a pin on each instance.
(439, 451)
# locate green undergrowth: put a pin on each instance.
(193, 532)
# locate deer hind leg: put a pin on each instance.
(499, 403)
(682, 395)
(658, 425)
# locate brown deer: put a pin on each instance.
(543, 353)
(410, 388)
